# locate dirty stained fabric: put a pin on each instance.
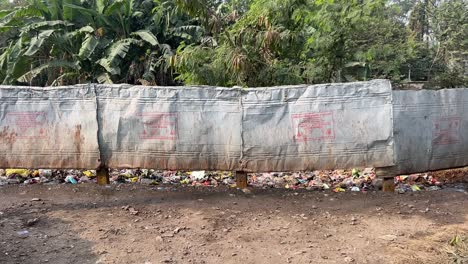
(169, 127)
(289, 128)
(258, 129)
(48, 127)
(431, 129)
(321, 126)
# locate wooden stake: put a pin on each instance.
(387, 175)
(388, 185)
(102, 176)
(241, 179)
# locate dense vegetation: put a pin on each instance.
(233, 42)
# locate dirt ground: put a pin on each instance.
(142, 224)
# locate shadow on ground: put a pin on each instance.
(89, 223)
(48, 240)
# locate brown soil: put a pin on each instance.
(140, 224)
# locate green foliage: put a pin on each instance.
(255, 51)
(233, 42)
(355, 40)
(297, 41)
(104, 41)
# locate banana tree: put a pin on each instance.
(72, 41)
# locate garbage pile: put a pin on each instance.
(416, 182)
(156, 177)
(335, 180)
(45, 176)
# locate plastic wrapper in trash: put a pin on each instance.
(198, 175)
(71, 179)
(20, 172)
(89, 173)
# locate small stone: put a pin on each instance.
(36, 199)
(32, 222)
(246, 191)
(389, 237)
(301, 252)
(133, 211)
(348, 259)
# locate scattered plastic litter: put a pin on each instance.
(84, 179)
(89, 173)
(45, 173)
(70, 179)
(19, 172)
(355, 180)
(338, 189)
(23, 233)
(198, 175)
(355, 173)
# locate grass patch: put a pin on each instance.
(458, 249)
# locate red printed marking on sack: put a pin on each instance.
(160, 126)
(446, 130)
(28, 125)
(313, 126)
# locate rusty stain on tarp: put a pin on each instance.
(258, 129)
(7, 137)
(48, 127)
(175, 128)
(78, 138)
(215, 128)
(307, 127)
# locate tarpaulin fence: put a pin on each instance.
(430, 129)
(48, 127)
(215, 128)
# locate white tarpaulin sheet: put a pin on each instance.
(431, 129)
(213, 128)
(318, 127)
(177, 128)
(48, 127)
